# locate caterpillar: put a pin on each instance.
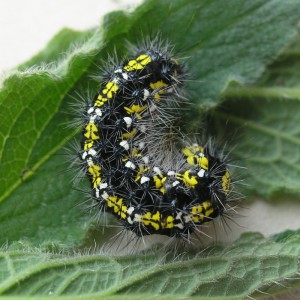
(134, 171)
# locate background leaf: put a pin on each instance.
(249, 265)
(262, 121)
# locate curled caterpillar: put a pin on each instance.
(134, 171)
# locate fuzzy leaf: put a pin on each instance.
(250, 264)
(262, 122)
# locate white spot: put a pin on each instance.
(90, 110)
(118, 71)
(97, 193)
(146, 94)
(141, 145)
(178, 216)
(84, 155)
(128, 121)
(92, 118)
(130, 210)
(180, 225)
(92, 152)
(153, 108)
(144, 179)
(129, 220)
(137, 218)
(187, 219)
(195, 145)
(90, 162)
(125, 75)
(171, 173)
(130, 165)
(115, 80)
(201, 173)
(145, 159)
(98, 112)
(103, 186)
(105, 196)
(158, 171)
(125, 145)
(175, 183)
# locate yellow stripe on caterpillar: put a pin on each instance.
(226, 182)
(110, 89)
(138, 64)
(91, 131)
(129, 135)
(135, 109)
(188, 179)
(88, 144)
(168, 222)
(151, 219)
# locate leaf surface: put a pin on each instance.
(250, 264)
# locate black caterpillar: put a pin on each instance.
(133, 170)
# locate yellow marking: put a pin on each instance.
(117, 205)
(91, 131)
(135, 152)
(209, 212)
(130, 134)
(138, 64)
(174, 60)
(88, 144)
(198, 161)
(96, 181)
(193, 157)
(196, 214)
(163, 188)
(159, 85)
(135, 109)
(197, 218)
(208, 208)
(157, 181)
(100, 101)
(189, 180)
(197, 209)
(206, 205)
(192, 150)
(123, 212)
(95, 171)
(187, 152)
(168, 222)
(151, 219)
(111, 201)
(110, 90)
(142, 169)
(226, 182)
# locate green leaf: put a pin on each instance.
(249, 265)
(228, 40)
(284, 71)
(265, 121)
